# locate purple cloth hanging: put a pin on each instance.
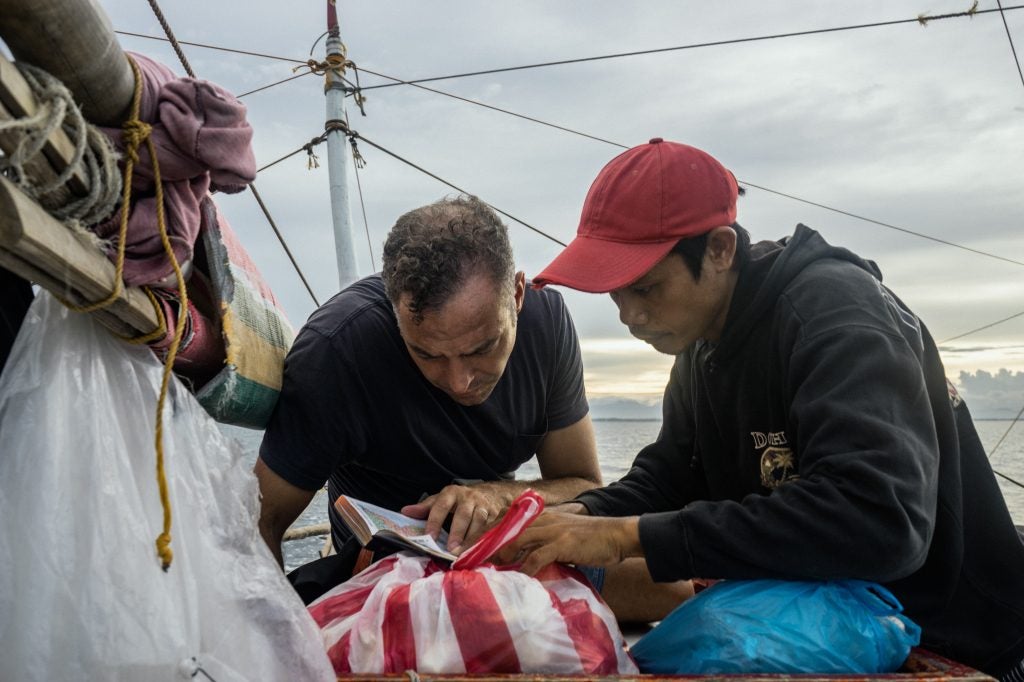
(203, 142)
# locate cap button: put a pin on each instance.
(656, 140)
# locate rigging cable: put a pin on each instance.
(366, 224)
(1002, 438)
(284, 244)
(922, 19)
(359, 162)
(1005, 434)
(170, 36)
(399, 81)
(978, 329)
(741, 181)
(177, 43)
(211, 47)
(879, 222)
(354, 134)
(271, 85)
(1009, 36)
(415, 83)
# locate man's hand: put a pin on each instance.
(575, 539)
(473, 510)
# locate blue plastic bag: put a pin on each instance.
(779, 626)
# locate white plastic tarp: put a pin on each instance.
(82, 593)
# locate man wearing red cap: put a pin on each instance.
(809, 431)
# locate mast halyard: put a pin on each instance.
(338, 156)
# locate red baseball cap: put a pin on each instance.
(643, 202)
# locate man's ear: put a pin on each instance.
(520, 294)
(721, 248)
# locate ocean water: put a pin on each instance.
(619, 441)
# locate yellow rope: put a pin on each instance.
(163, 542)
(135, 132)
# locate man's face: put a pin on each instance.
(462, 347)
(670, 310)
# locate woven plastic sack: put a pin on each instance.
(407, 612)
(256, 332)
(82, 593)
(778, 626)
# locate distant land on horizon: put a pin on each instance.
(609, 408)
(626, 419)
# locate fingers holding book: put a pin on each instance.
(471, 510)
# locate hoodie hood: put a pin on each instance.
(772, 266)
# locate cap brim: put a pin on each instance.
(600, 265)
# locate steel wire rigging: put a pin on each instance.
(416, 83)
(921, 19)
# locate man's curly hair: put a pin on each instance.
(432, 250)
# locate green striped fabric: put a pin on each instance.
(256, 332)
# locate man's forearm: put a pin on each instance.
(273, 542)
(553, 490)
(571, 507)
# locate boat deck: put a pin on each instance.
(921, 666)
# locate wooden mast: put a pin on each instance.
(73, 40)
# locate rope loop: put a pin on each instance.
(93, 161)
(333, 124)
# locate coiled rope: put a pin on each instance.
(94, 156)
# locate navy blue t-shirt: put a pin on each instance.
(355, 410)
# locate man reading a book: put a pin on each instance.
(423, 388)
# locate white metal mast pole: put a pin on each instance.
(337, 152)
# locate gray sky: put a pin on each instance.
(920, 127)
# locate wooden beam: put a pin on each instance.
(74, 41)
(18, 101)
(36, 246)
(306, 532)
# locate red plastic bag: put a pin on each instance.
(407, 612)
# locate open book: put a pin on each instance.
(373, 525)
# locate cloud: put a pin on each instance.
(623, 367)
(998, 395)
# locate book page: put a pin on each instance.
(414, 530)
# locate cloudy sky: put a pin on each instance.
(920, 127)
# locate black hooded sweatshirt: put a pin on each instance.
(819, 439)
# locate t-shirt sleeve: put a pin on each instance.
(305, 439)
(567, 396)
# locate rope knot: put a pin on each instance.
(134, 132)
(163, 549)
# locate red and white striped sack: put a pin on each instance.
(408, 612)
